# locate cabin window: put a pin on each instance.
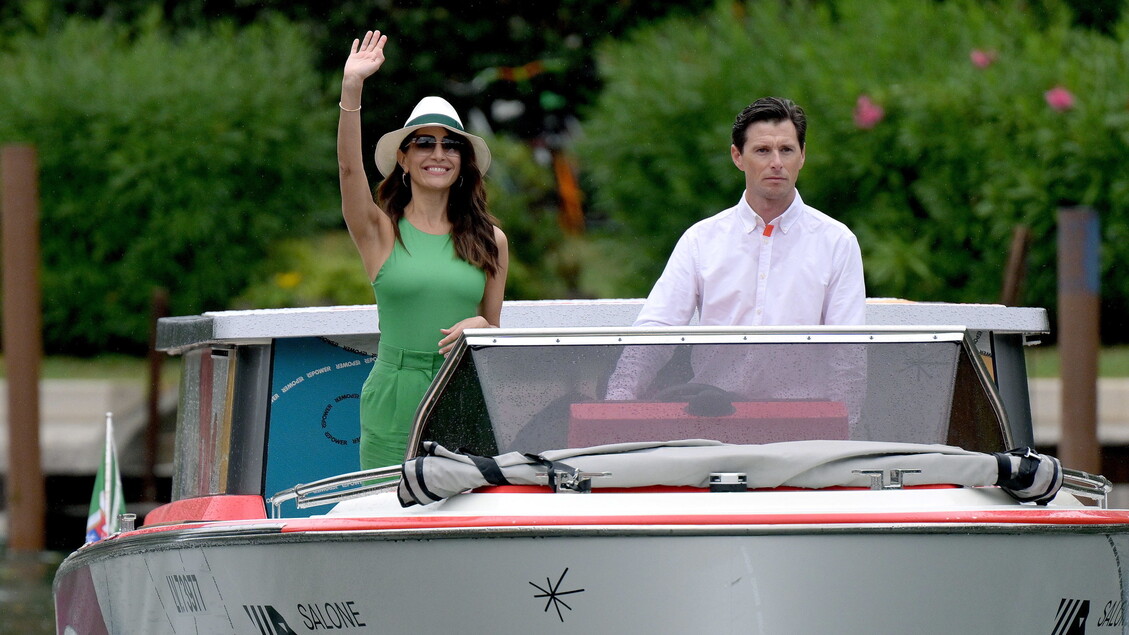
(534, 397)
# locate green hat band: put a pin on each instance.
(434, 118)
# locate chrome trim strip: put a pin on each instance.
(710, 335)
(145, 540)
(1092, 486)
(265, 534)
(319, 492)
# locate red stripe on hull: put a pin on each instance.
(988, 517)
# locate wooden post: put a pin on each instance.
(1014, 273)
(1079, 281)
(23, 346)
(160, 309)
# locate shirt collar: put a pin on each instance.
(753, 222)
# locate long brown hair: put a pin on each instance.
(472, 225)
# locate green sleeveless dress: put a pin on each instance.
(419, 290)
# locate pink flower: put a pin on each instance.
(1059, 99)
(867, 113)
(981, 58)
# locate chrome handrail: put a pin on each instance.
(1093, 486)
(319, 492)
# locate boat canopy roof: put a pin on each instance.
(534, 390)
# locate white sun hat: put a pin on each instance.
(430, 111)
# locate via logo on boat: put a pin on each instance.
(1071, 617)
(268, 620)
(329, 615)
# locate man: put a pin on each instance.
(770, 259)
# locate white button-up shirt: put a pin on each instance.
(734, 270)
(803, 268)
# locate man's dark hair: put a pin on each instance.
(770, 109)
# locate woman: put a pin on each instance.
(435, 256)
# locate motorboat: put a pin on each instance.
(570, 473)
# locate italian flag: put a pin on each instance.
(106, 503)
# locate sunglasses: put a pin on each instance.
(427, 143)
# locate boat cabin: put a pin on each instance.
(269, 399)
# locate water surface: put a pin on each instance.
(26, 607)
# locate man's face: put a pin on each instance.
(771, 160)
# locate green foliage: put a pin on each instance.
(1043, 361)
(536, 56)
(455, 48)
(963, 153)
(164, 161)
(545, 262)
(175, 147)
(321, 270)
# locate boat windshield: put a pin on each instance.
(535, 390)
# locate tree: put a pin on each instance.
(164, 161)
(965, 121)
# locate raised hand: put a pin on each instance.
(367, 55)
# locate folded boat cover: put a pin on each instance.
(440, 473)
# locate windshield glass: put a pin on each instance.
(531, 394)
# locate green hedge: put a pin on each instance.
(163, 161)
(967, 147)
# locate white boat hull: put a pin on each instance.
(876, 579)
